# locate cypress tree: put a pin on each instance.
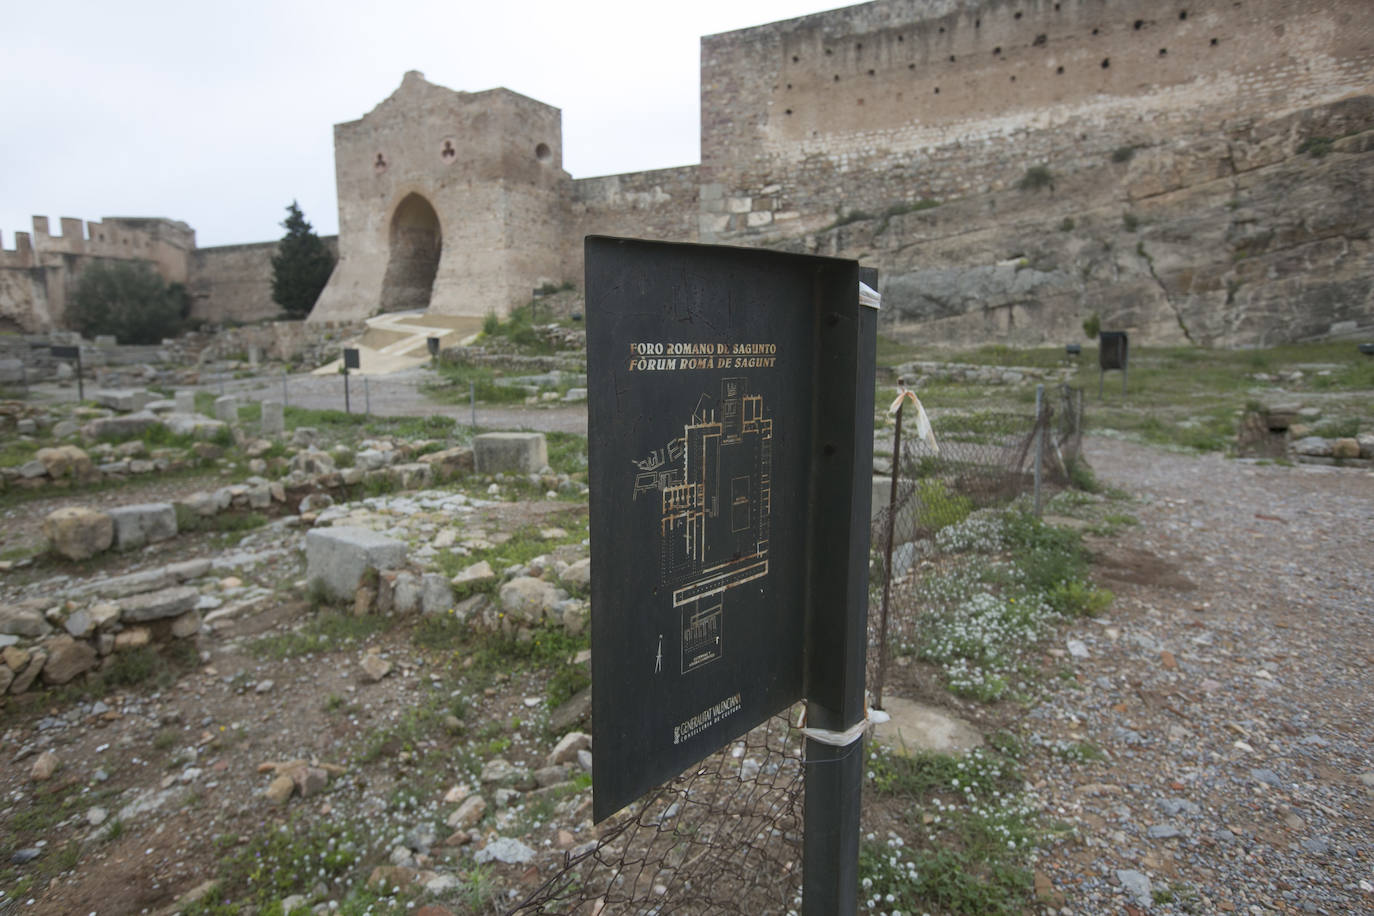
(301, 266)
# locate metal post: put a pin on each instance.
(80, 387)
(285, 401)
(347, 407)
(1039, 441)
(367, 398)
(472, 398)
(837, 611)
(887, 558)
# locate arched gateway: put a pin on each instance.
(417, 242)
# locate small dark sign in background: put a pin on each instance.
(703, 373)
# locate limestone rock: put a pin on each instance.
(468, 814)
(132, 638)
(23, 679)
(17, 620)
(565, 751)
(479, 573)
(916, 727)
(67, 658)
(436, 595)
(527, 600)
(1345, 448)
(66, 461)
(44, 766)
(1314, 446)
(79, 533)
(170, 602)
(451, 461)
(578, 576)
(504, 849)
(120, 427)
(135, 526)
(375, 667)
(280, 788)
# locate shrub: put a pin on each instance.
(1130, 221)
(1066, 224)
(126, 299)
(1036, 178)
(1123, 153)
(1092, 326)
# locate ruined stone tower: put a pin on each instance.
(448, 201)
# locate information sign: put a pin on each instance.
(350, 355)
(706, 370)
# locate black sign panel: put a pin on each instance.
(1111, 350)
(351, 358)
(62, 352)
(703, 379)
(433, 344)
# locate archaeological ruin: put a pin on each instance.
(1191, 173)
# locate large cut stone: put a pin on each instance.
(135, 526)
(521, 453)
(125, 399)
(121, 427)
(337, 558)
(77, 532)
(170, 602)
(186, 401)
(450, 461)
(436, 595)
(66, 461)
(195, 425)
(227, 409)
(273, 418)
(66, 659)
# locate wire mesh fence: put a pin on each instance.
(726, 836)
(979, 460)
(723, 837)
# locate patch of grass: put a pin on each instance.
(1316, 147)
(938, 506)
(1066, 224)
(459, 382)
(280, 860)
(965, 842)
(15, 452)
(326, 632)
(1080, 752)
(240, 523)
(1129, 221)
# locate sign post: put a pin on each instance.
(350, 361)
(1112, 347)
(730, 437)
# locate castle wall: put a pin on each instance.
(233, 283)
(662, 204)
(878, 106)
(38, 276)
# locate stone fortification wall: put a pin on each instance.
(872, 107)
(38, 275)
(453, 201)
(233, 283)
(662, 204)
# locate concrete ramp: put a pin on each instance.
(397, 341)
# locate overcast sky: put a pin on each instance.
(221, 114)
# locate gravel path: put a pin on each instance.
(1230, 688)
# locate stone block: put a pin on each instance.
(527, 600)
(411, 476)
(169, 602)
(195, 425)
(436, 595)
(227, 409)
(337, 558)
(126, 400)
(520, 453)
(1345, 448)
(120, 427)
(273, 418)
(79, 533)
(186, 402)
(135, 526)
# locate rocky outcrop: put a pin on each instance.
(1252, 237)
